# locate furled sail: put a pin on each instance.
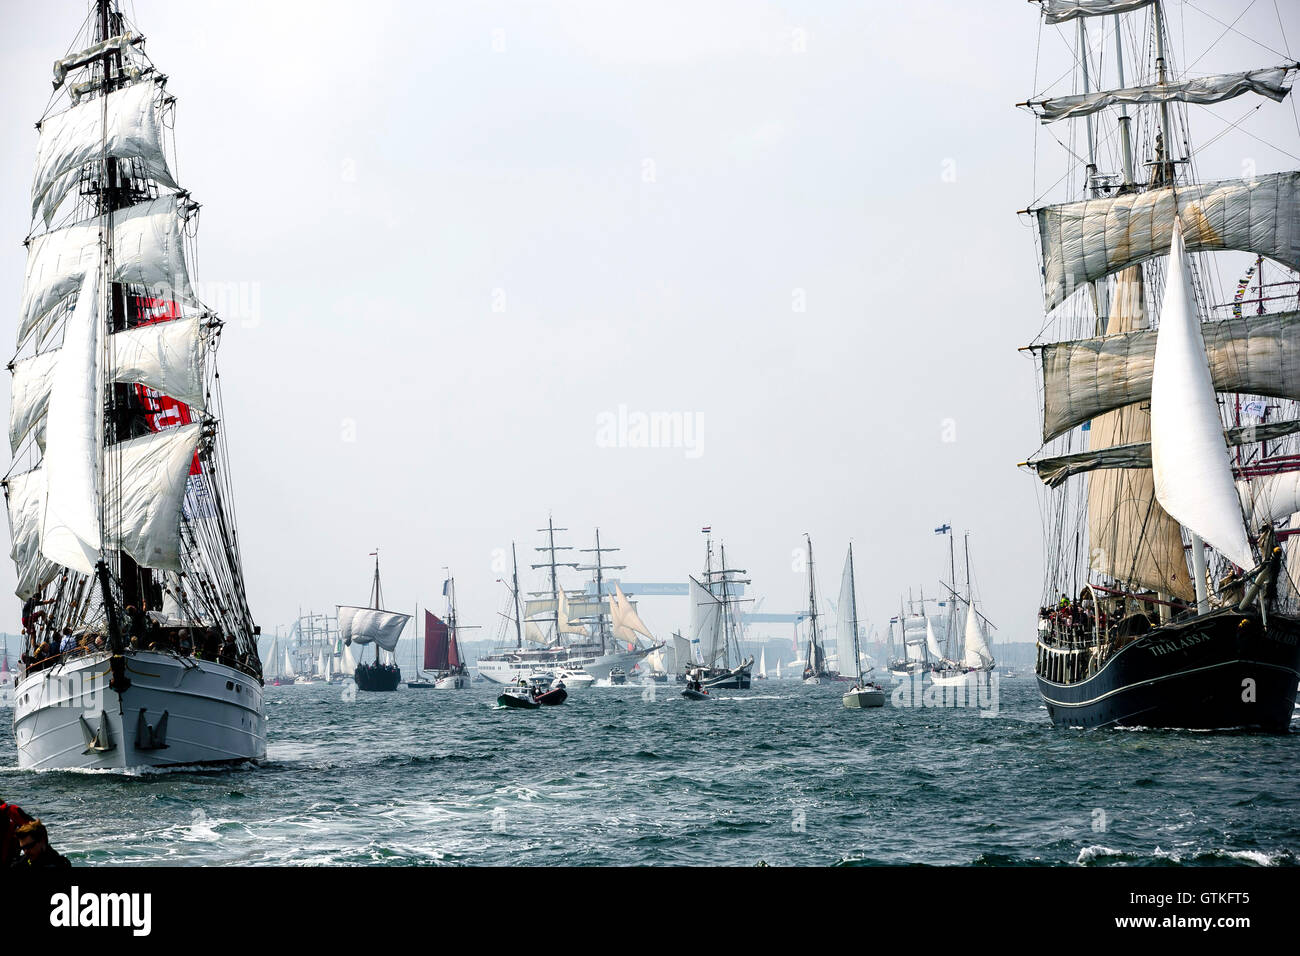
(70, 531)
(1088, 240)
(1131, 539)
(30, 395)
(75, 137)
(1189, 458)
(148, 250)
(1257, 354)
(1270, 82)
(367, 625)
(1056, 469)
(25, 495)
(706, 623)
(149, 476)
(1058, 11)
(847, 620)
(1271, 497)
(977, 652)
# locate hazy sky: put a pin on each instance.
(450, 237)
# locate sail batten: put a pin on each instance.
(1088, 240)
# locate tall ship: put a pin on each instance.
(715, 624)
(968, 655)
(373, 625)
(583, 633)
(1169, 462)
(139, 645)
(816, 670)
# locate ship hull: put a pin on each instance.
(380, 679)
(1221, 671)
(511, 668)
(66, 717)
(864, 699)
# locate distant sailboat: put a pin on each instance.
(815, 670)
(864, 692)
(762, 665)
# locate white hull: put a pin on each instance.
(214, 714)
(452, 682)
(509, 669)
(865, 698)
(956, 680)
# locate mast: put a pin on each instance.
(813, 663)
(376, 598)
(514, 579)
(1165, 167)
(599, 568)
(1125, 139)
(551, 548)
(853, 592)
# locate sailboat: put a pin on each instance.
(815, 670)
(1183, 459)
(715, 620)
(762, 665)
(374, 625)
(976, 658)
(864, 693)
(120, 496)
(442, 654)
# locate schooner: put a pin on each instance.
(140, 647)
(1169, 454)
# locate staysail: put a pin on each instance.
(1189, 457)
(977, 653)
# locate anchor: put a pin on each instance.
(97, 741)
(151, 738)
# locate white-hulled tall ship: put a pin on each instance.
(1167, 601)
(374, 625)
(970, 657)
(140, 648)
(584, 634)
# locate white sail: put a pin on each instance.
(1206, 89)
(75, 137)
(25, 495)
(762, 663)
(534, 634)
(847, 612)
(977, 652)
(706, 623)
(70, 531)
(626, 614)
(931, 643)
(681, 653)
(1058, 11)
(30, 395)
(149, 476)
(1189, 457)
(565, 625)
(167, 356)
(1087, 240)
(349, 662)
(1271, 497)
(778, 670)
(365, 625)
(273, 660)
(288, 663)
(148, 250)
(1084, 378)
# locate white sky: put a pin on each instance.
(373, 173)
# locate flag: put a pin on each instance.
(943, 529)
(444, 586)
(707, 529)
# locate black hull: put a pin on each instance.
(1217, 672)
(372, 678)
(738, 679)
(695, 695)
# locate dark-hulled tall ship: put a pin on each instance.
(1170, 464)
(374, 625)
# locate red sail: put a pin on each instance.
(435, 643)
(453, 655)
